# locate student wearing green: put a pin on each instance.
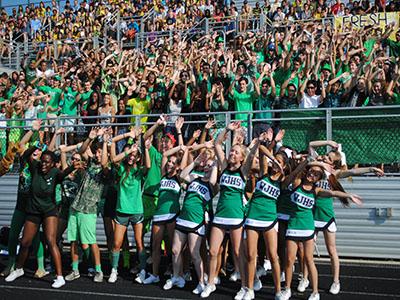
(41, 209)
(83, 212)
(53, 89)
(69, 109)
(131, 173)
(242, 99)
(84, 96)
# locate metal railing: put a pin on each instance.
(311, 124)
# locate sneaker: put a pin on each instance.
(335, 288)
(141, 276)
(113, 276)
(279, 296)
(151, 279)
(249, 295)
(178, 281)
(59, 282)
(267, 265)
(187, 276)
(283, 277)
(73, 275)
(314, 296)
(235, 276)
(303, 284)
(199, 289)
(91, 272)
(286, 294)
(6, 271)
(98, 277)
(261, 271)
(241, 293)
(208, 290)
(257, 285)
(14, 275)
(40, 273)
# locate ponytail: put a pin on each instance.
(336, 186)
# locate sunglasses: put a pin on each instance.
(76, 158)
(291, 90)
(311, 87)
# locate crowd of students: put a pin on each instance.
(272, 200)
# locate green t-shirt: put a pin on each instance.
(130, 190)
(243, 102)
(43, 189)
(70, 107)
(394, 47)
(85, 98)
(263, 103)
(30, 74)
(11, 92)
(55, 94)
(153, 178)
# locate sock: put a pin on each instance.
(40, 256)
(115, 260)
(86, 254)
(126, 257)
(142, 260)
(98, 268)
(75, 265)
(60, 277)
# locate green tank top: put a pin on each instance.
(323, 210)
(262, 206)
(230, 202)
(168, 196)
(197, 201)
(302, 217)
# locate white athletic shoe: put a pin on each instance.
(249, 295)
(314, 296)
(151, 279)
(279, 296)
(73, 275)
(257, 284)
(241, 293)
(235, 276)
(113, 276)
(286, 294)
(178, 281)
(208, 290)
(283, 277)
(141, 276)
(335, 288)
(267, 265)
(59, 282)
(199, 289)
(14, 275)
(303, 284)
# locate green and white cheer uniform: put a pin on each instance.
(262, 213)
(285, 207)
(301, 223)
(230, 208)
(168, 200)
(196, 205)
(324, 215)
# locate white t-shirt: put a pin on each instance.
(309, 101)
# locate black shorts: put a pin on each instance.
(38, 218)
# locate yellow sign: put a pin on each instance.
(359, 21)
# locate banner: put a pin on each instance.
(378, 19)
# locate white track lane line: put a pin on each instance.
(84, 292)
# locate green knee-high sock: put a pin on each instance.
(142, 260)
(126, 257)
(75, 265)
(98, 268)
(115, 260)
(17, 222)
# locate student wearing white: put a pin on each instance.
(307, 96)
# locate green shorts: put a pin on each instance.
(82, 227)
(125, 219)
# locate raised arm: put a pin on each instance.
(358, 171)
